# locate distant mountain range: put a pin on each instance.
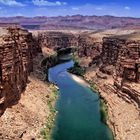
(73, 22)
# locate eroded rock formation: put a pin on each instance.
(88, 46)
(85, 45)
(122, 54)
(117, 79)
(118, 56)
(17, 50)
(55, 40)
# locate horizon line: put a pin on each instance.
(73, 15)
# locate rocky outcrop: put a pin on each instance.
(55, 40)
(110, 50)
(128, 93)
(121, 58)
(124, 55)
(128, 63)
(17, 50)
(88, 46)
(123, 104)
(85, 45)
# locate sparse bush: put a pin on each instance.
(47, 130)
(77, 69)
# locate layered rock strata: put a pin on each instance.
(85, 45)
(55, 40)
(17, 49)
(122, 54)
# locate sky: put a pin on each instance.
(31, 8)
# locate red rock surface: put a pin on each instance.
(17, 49)
(124, 55)
(85, 45)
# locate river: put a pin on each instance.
(78, 107)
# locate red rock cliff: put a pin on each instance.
(124, 54)
(86, 46)
(121, 57)
(17, 49)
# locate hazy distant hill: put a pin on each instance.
(74, 22)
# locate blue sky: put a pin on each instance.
(32, 8)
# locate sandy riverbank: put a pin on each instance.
(79, 80)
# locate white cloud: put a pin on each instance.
(11, 3)
(48, 3)
(75, 8)
(127, 8)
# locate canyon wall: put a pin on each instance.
(121, 58)
(117, 56)
(124, 54)
(17, 50)
(85, 45)
(55, 40)
(88, 46)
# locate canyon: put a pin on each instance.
(112, 62)
(111, 59)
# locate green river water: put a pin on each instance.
(78, 107)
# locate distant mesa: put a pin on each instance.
(72, 22)
(9, 24)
